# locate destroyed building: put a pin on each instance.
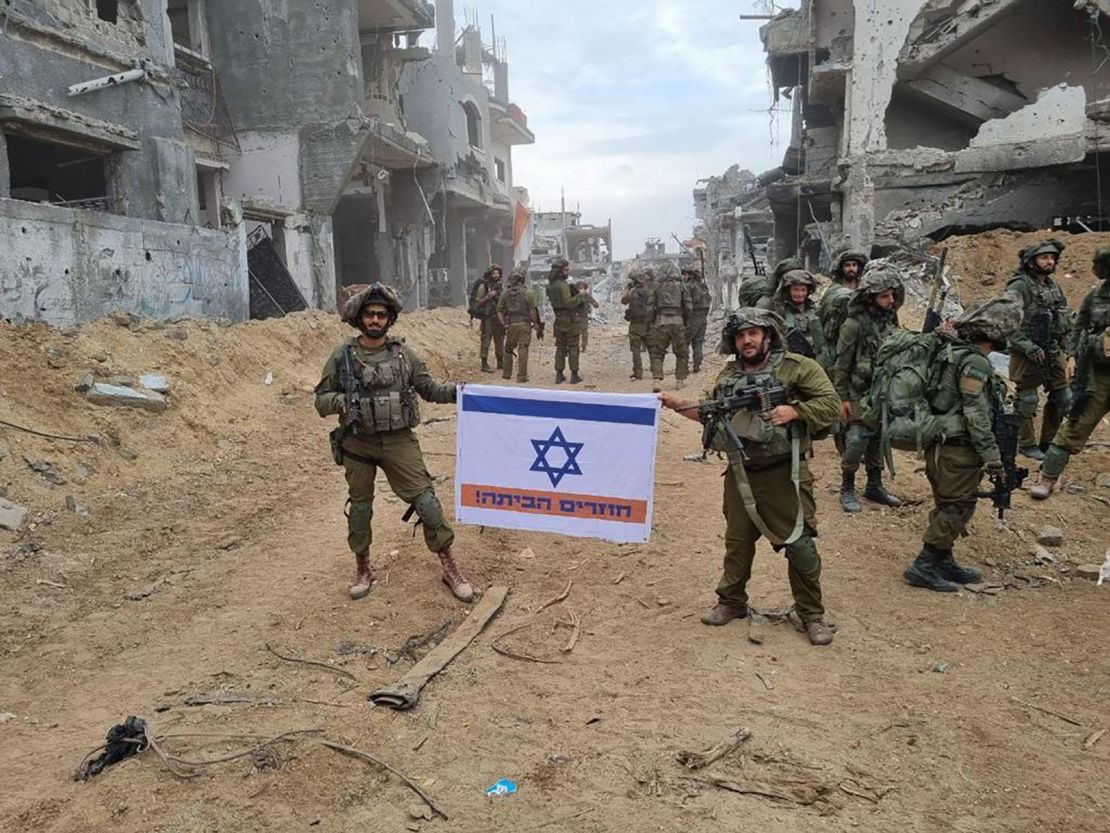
(246, 158)
(589, 248)
(734, 222)
(918, 119)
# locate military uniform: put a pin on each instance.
(584, 342)
(971, 396)
(1045, 310)
(758, 290)
(803, 328)
(1090, 344)
(701, 300)
(672, 310)
(833, 307)
(860, 336)
(640, 300)
(569, 308)
(517, 309)
(772, 453)
(390, 378)
(489, 290)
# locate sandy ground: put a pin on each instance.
(216, 528)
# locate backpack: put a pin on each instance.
(639, 306)
(833, 312)
(668, 297)
(907, 377)
(472, 308)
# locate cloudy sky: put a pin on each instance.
(632, 101)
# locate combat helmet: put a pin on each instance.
(995, 320)
(787, 264)
(493, 267)
(559, 264)
(667, 270)
(1049, 246)
(751, 317)
(375, 293)
(518, 275)
(1100, 264)
(844, 257)
(795, 277)
(878, 277)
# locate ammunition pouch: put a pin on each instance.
(336, 440)
(1098, 347)
(389, 411)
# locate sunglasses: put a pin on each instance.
(384, 316)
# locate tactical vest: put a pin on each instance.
(389, 402)
(555, 287)
(803, 331)
(1096, 338)
(700, 298)
(872, 331)
(1045, 297)
(640, 310)
(517, 309)
(668, 297)
(762, 440)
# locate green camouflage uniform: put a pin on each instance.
(701, 299)
(391, 378)
(1040, 295)
(640, 315)
(768, 471)
(757, 290)
(518, 306)
(569, 308)
(803, 328)
(833, 307)
(672, 311)
(491, 331)
(1091, 337)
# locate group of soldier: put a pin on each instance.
(799, 371)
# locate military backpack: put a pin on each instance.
(668, 297)
(639, 306)
(472, 308)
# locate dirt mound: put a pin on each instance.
(984, 262)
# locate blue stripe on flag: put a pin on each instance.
(512, 406)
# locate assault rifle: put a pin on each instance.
(1040, 330)
(934, 315)
(1080, 396)
(1007, 481)
(714, 412)
(352, 388)
(797, 342)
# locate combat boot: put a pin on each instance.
(459, 586)
(876, 492)
(923, 573)
(364, 578)
(501, 364)
(848, 501)
(722, 614)
(485, 366)
(575, 379)
(559, 377)
(819, 633)
(949, 569)
(1033, 452)
(1043, 489)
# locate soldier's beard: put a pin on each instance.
(375, 332)
(1044, 271)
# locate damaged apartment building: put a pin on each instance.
(917, 118)
(246, 157)
(589, 248)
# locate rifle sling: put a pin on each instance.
(740, 475)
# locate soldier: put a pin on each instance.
(1090, 347)
(1038, 357)
(771, 491)
(970, 396)
(872, 315)
(584, 288)
(488, 291)
(701, 299)
(372, 382)
(794, 304)
(517, 312)
(833, 309)
(671, 302)
(640, 315)
(569, 307)
(759, 288)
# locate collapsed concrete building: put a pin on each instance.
(735, 222)
(589, 248)
(246, 157)
(923, 118)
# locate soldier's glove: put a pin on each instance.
(1038, 355)
(993, 466)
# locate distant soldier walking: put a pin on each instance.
(583, 288)
(372, 382)
(701, 300)
(569, 307)
(1090, 346)
(518, 314)
(639, 297)
(1038, 354)
(672, 310)
(487, 292)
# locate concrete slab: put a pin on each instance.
(11, 514)
(101, 394)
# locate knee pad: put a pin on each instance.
(802, 554)
(1027, 402)
(1060, 400)
(359, 514)
(429, 510)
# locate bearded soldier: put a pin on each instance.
(672, 310)
(517, 312)
(794, 304)
(569, 307)
(1038, 357)
(486, 299)
(873, 314)
(372, 381)
(970, 397)
(701, 300)
(768, 489)
(833, 309)
(640, 300)
(1090, 346)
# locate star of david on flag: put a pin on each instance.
(575, 463)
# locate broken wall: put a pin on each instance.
(66, 266)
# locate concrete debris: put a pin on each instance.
(6, 717)
(1041, 556)
(155, 382)
(1102, 481)
(76, 508)
(177, 335)
(1088, 571)
(1050, 536)
(104, 394)
(126, 319)
(11, 515)
(46, 469)
(85, 383)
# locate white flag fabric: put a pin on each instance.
(561, 461)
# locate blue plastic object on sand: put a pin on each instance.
(502, 787)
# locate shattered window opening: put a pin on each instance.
(108, 10)
(499, 165)
(188, 24)
(473, 124)
(49, 173)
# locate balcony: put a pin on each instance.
(395, 15)
(510, 125)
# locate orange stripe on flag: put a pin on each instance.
(589, 507)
